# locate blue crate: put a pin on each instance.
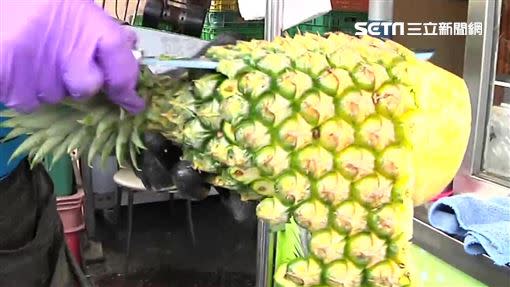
(3, 131)
(6, 150)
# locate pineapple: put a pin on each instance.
(344, 135)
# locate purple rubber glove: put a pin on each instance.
(50, 49)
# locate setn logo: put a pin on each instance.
(379, 28)
(418, 29)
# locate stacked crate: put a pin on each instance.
(344, 14)
(358, 6)
(161, 26)
(224, 6)
(504, 40)
(224, 16)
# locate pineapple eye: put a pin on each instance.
(317, 107)
(377, 133)
(273, 211)
(263, 187)
(328, 245)
(252, 134)
(206, 86)
(314, 161)
(254, 84)
(312, 215)
(272, 160)
(293, 187)
(355, 163)
(364, 76)
(344, 273)
(355, 106)
(274, 64)
(293, 84)
(336, 134)
(273, 108)
(312, 64)
(335, 82)
(232, 68)
(295, 133)
(333, 188)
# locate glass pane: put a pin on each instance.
(497, 149)
(496, 160)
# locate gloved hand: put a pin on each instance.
(52, 49)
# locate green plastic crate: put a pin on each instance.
(217, 23)
(346, 19)
(138, 20)
(330, 22)
(223, 5)
(162, 26)
(210, 33)
(224, 19)
(62, 175)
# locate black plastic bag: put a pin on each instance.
(241, 211)
(161, 166)
(33, 251)
(156, 161)
(162, 169)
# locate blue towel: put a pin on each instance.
(483, 223)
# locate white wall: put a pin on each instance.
(449, 49)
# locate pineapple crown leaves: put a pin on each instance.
(92, 128)
(95, 127)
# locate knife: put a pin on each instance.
(424, 54)
(180, 63)
(158, 65)
(165, 65)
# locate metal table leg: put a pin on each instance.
(90, 219)
(129, 230)
(118, 204)
(274, 19)
(266, 240)
(189, 218)
(171, 204)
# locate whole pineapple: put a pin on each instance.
(342, 134)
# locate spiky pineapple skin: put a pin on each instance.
(343, 134)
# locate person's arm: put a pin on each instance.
(53, 49)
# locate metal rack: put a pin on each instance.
(266, 240)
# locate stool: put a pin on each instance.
(126, 179)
